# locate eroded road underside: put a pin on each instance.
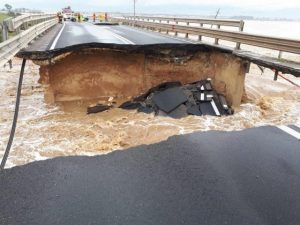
(102, 73)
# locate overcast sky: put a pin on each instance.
(259, 8)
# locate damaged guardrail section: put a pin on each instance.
(10, 47)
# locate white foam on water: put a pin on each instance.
(45, 132)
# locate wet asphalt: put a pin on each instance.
(235, 178)
(74, 33)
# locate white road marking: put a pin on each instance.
(163, 35)
(124, 40)
(290, 131)
(215, 108)
(57, 37)
(201, 97)
(225, 106)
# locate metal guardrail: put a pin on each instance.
(201, 21)
(10, 47)
(280, 44)
(15, 23)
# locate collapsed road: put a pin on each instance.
(247, 177)
(86, 62)
(81, 65)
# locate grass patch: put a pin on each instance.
(3, 16)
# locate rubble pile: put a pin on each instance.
(176, 100)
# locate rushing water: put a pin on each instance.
(45, 131)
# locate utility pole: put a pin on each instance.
(218, 12)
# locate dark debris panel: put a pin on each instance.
(176, 100)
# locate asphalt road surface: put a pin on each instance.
(80, 33)
(73, 33)
(251, 177)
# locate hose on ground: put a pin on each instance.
(283, 77)
(14, 124)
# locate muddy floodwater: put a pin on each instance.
(47, 131)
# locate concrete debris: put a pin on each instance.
(176, 100)
(194, 110)
(98, 108)
(207, 109)
(130, 105)
(168, 100)
(179, 112)
(160, 87)
(111, 99)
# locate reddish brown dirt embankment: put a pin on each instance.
(98, 74)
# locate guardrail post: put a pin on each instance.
(44, 23)
(26, 25)
(159, 30)
(280, 55)
(276, 71)
(217, 39)
(276, 75)
(176, 23)
(168, 22)
(4, 31)
(44, 20)
(10, 64)
(200, 36)
(241, 29)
